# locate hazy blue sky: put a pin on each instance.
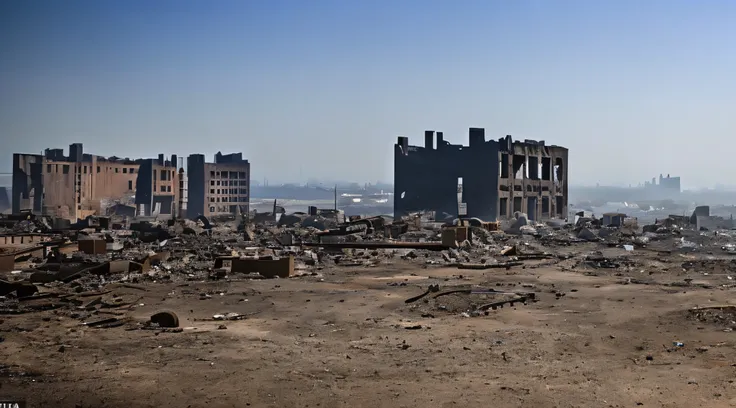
(322, 88)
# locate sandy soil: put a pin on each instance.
(346, 338)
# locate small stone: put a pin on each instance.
(222, 327)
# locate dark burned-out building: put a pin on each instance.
(488, 179)
(157, 186)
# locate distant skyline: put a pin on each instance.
(322, 89)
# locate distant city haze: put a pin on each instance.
(322, 89)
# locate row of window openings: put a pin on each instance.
(531, 168)
(503, 205)
(228, 174)
(165, 175)
(231, 183)
(229, 199)
(230, 191)
(230, 209)
(81, 193)
(164, 189)
(65, 169)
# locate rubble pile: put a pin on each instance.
(83, 259)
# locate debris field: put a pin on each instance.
(319, 311)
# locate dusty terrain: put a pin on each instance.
(345, 337)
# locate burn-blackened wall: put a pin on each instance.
(27, 187)
(426, 178)
(166, 203)
(196, 186)
(144, 185)
(5, 200)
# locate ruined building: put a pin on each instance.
(70, 186)
(669, 185)
(218, 188)
(489, 180)
(157, 187)
(79, 185)
(4, 200)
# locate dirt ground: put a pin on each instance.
(345, 337)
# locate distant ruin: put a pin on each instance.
(489, 180)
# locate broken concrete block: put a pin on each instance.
(587, 235)
(395, 230)
(285, 239)
(650, 228)
(509, 251)
(521, 220)
(92, 246)
(21, 289)
(123, 266)
(490, 226)
(606, 232)
(528, 230)
(7, 262)
(613, 219)
(155, 259)
(700, 211)
(218, 274)
(452, 236)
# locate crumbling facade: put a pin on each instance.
(157, 191)
(183, 193)
(72, 186)
(489, 180)
(4, 200)
(218, 188)
(75, 186)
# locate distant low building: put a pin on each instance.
(667, 185)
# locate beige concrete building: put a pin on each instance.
(218, 188)
(72, 186)
(77, 185)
